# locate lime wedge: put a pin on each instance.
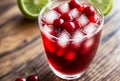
(105, 5)
(31, 8)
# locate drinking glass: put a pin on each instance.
(71, 61)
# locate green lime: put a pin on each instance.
(31, 8)
(105, 5)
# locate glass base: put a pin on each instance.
(67, 77)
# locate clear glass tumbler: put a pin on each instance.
(71, 61)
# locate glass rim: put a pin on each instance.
(71, 39)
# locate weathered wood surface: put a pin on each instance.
(21, 50)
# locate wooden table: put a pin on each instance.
(21, 50)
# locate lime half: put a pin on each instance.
(31, 8)
(105, 5)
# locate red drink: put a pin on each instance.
(71, 33)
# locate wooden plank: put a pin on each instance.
(23, 31)
(19, 57)
(6, 3)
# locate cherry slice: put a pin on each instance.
(32, 78)
(67, 17)
(20, 79)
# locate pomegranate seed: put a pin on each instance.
(69, 26)
(77, 24)
(57, 23)
(67, 17)
(32, 78)
(20, 79)
(93, 18)
(89, 10)
(74, 4)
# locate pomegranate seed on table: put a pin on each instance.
(32, 78)
(20, 79)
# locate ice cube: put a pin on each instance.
(89, 43)
(50, 16)
(63, 39)
(64, 8)
(47, 28)
(74, 12)
(77, 36)
(90, 28)
(83, 20)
